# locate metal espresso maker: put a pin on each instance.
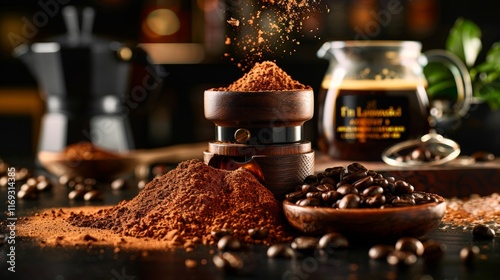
(83, 80)
(262, 132)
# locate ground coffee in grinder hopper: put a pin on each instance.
(258, 122)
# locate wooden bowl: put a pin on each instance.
(259, 108)
(365, 223)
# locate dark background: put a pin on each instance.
(174, 113)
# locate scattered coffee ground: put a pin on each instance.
(269, 26)
(188, 203)
(265, 76)
(472, 211)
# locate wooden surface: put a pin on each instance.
(259, 109)
(453, 179)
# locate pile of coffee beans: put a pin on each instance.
(30, 185)
(407, 250)
(81, 188)
(356, 187)
(419, 154)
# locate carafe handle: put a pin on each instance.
(462, 81)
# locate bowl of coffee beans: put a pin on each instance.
(361, 203)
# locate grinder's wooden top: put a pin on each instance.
(259, 108)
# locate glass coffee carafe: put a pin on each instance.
(373, 96)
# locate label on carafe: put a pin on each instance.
(362, 116)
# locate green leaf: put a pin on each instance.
(443, 90)
(490, 93)
(435, 72)
(464, 41)
(493, 54)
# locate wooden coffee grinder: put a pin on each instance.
(262, 131)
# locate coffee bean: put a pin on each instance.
(384, 183)
(372, 190)
(375, 201)
(401, 258)
(31, 181)
(433, 251)
(293, 197)
(229, 243)
(316, 195)
(141, 184)
(420, 154)
(305, 244)
(27, 194)
(330, 197)
(332, 240)
(27, 188)
(310, 201)
(90, 181)
(4, 181)
(410, 244)
(320, 176)
(218, 234)
(325, 187)
(401, 201)
(355, 167)
(258, 233)
(469, 254)
(22, 174)
(363, 183)
(83, 187)
(349, 201)
(307, 188)
(482, 156)
(76, 194)
(353, 177)
(159, 170)
(347, 189)
(64, 179)
(381, 251)
(93, 195)
(118, 184)
(483, 232)
(310, 179)
(334, 172)
(228, 261)
(328, 180)
(280, 250)
(43, 185)
(402, 187)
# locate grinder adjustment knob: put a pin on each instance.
(242, 135)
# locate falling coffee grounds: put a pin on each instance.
(190, 202)
(265, 76)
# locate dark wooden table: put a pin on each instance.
(34, 262)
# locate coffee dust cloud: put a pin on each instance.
(267, 28)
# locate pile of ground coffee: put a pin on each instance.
(474, 210)
(86, 151)
(265, 76)
(190, 202)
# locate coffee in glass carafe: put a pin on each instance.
(373, 96)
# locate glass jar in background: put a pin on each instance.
(373, 96)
